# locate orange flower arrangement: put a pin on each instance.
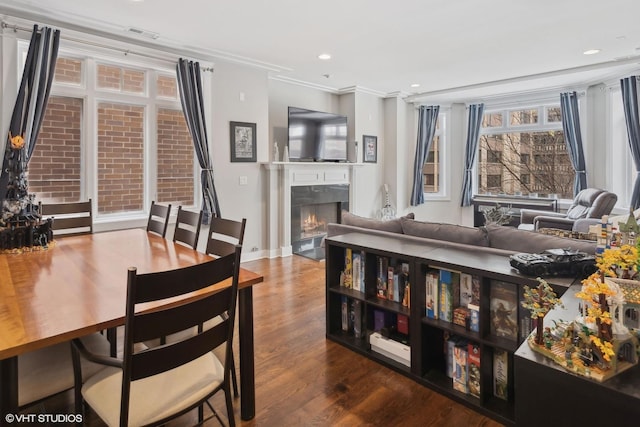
(17, 142)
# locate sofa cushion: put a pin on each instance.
(392, 225)
(447, 232)
(510, 238)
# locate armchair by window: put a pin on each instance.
(589, 203)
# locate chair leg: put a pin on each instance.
(234, 379)
(112, 337)
(229, 402)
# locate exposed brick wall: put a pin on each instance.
(167, 86)
(132, 81)
(175, 158)
(68, 70)
(126, 80)
(108, 77)
(120, 157)
(54, 168)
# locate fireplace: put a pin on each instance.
(312, 208)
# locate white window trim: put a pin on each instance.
(444, 173)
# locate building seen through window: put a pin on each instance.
(526, 157)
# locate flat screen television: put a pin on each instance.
(315, 136)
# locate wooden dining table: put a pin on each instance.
(78, 286)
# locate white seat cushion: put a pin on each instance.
(155, 397)
(43, 373)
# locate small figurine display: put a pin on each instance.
(602, 341)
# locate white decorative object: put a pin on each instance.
(285, 157)
(276, 152)
(387, 212)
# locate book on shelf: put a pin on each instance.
(504, 310)
(390, 283)
(431, 293)
(475, 290)
(461, 316)
(474, 317)
(403, 281)
(378, 320)
(357, 319)
(382, 274)
(348, 268)
(460, 367)
(500, 374)
(473, 351)
(466, 289)
(402, 324)
(358, 271)
(396, 287)
(449, 288)
(345, 313)
(450, 342)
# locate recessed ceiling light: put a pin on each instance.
(591, 51)
(324, 56)
(415, 85)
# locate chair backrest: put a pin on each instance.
(603, 205)
(158, 218)
(148, 325)
(224, 235)
(69, 219)
(591, 203)
(187, 227)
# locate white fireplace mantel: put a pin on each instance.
(281, 176)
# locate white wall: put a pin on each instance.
(241, 94)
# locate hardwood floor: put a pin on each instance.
(302, 379)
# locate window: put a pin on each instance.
(100, 133)
(494, 156)
(494, 181)
(507, 152)
(433, 166)
(55, 167)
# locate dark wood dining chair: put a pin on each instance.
(187, 228)
(49, 371)
(153, 385)
(69, 219)
(158, 218)
(224, 234)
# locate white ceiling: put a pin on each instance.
(476, 47)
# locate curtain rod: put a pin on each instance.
(125, 52)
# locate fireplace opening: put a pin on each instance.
(312, 208)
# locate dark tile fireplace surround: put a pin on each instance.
(312, 208)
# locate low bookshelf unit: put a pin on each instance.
(447, 317)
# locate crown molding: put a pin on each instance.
(360, 89)
(303, 83)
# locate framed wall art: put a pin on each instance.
(243, 142)
(369, 149)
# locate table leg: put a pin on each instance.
(247, 368)
(8, 389)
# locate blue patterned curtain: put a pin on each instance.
(427, 119)
(476, 111)
(190, 85)
(573, 138)
(630, 100)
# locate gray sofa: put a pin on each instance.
(495, 239)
